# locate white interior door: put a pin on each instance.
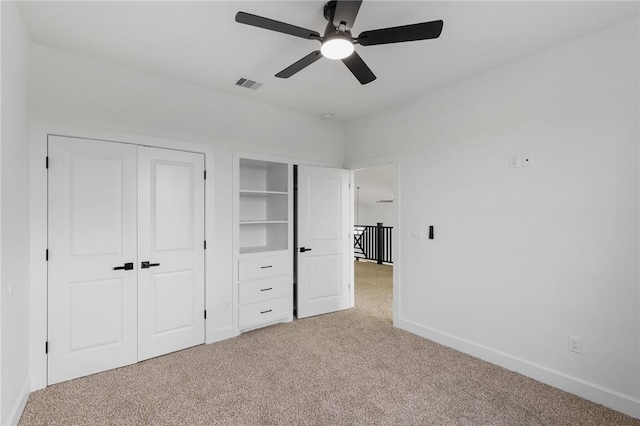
(171, 242)
(323, 241)
(92, 230)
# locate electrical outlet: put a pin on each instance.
(226, 305)
(416, 233)
(515, 161)
(575, 344)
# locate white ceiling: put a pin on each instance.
(200, 43)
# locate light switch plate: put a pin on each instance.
(527, 161)
(515, 161)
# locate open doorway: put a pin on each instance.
(374, 227)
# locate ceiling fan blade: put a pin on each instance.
(300, 65)
(270, 24)
(346, 11)
(357, 66)
(422, 31)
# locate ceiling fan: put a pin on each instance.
(337, 41)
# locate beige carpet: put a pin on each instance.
(349, 368)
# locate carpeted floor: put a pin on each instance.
(349, 368)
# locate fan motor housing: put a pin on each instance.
(331, 31)
(329, 11)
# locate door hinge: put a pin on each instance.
(46, 347)
(205, 314)
(205, 244)
(205, 175)
(46, 255)
(46, 162)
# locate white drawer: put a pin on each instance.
(252, 268)
(262, 290)
(265, 312)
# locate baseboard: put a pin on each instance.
(591, 391)
(18, 407)
(219, 335)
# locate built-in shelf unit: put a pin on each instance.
(263, 276)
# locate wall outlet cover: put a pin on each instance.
(515, 161)
(416, 233)
(575, 344)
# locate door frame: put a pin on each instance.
(395, 243)
(38, 292)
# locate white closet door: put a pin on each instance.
(170, 240)
(323, 241)
(92, 230)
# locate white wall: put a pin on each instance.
(525, 257)
(14, 184)
(74, 90)
(371, 214)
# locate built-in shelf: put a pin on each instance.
(265, 176)
(271, 235)
(259, 193)
(263, 254)
(260, 222)
(259, 249)
(263, 206)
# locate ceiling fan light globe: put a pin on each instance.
(336, 48)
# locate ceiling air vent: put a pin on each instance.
(249, 84)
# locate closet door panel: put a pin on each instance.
(92, 307)
(170, 250)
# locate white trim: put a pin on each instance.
(0, 236)
(219, 335)
(591, 391)
(397, 234)
(21, 402)
(38, 280)
(352, 222)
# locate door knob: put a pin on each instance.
(303, 249)
(127, 266)
(146, 264)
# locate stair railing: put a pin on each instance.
(373, 242)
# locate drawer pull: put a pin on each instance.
(266, 289)
(264, 312)
(265, 267)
